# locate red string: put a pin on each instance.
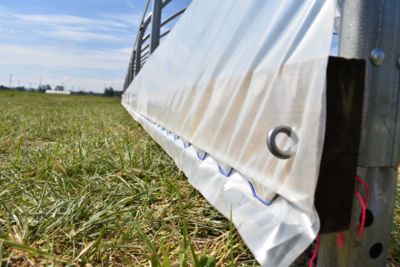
(364, 203)
(366, 188)
(340, 240)
(315, 253)
(363, 213)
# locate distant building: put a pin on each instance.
(58, 92)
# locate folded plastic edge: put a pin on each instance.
(276, 234)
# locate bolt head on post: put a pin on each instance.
(377, 56)
(398, 63)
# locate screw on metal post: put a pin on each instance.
(377, 56)
(398, 63)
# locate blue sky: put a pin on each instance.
(84, 44)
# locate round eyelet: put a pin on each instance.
(273, 147)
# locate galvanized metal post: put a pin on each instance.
(370, 30)
(138, 53)
(155, 25)
(132, 66)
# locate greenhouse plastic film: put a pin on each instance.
(227, 74)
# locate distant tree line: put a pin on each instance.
(20, 88)
(108, 91)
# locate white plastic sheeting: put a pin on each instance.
(227, 74)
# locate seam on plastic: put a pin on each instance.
(266, 203)
(201, 158)
(221, 171)
(253, 191)
(184, 144)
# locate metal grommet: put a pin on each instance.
(273, 147)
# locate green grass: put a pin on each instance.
(82, 183)
(394, 257)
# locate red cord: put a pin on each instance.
(364, 203)
(340, 240)
(366, 188)
(363, 213)
(315, 253)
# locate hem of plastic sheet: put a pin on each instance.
(269, 231)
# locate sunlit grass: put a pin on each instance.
(395, 242)
(82, 183)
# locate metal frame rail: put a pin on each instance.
(148, 39)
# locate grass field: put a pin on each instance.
(81, 183)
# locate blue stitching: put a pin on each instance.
(184, 144)
(198, 155)
(266, 203)
(223, 173)
(253, 191)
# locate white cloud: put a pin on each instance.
(52, 64)
(35, 46)
(49, 56)
(61, 20)
(100, 66)
(77, 35)
(71, 28)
